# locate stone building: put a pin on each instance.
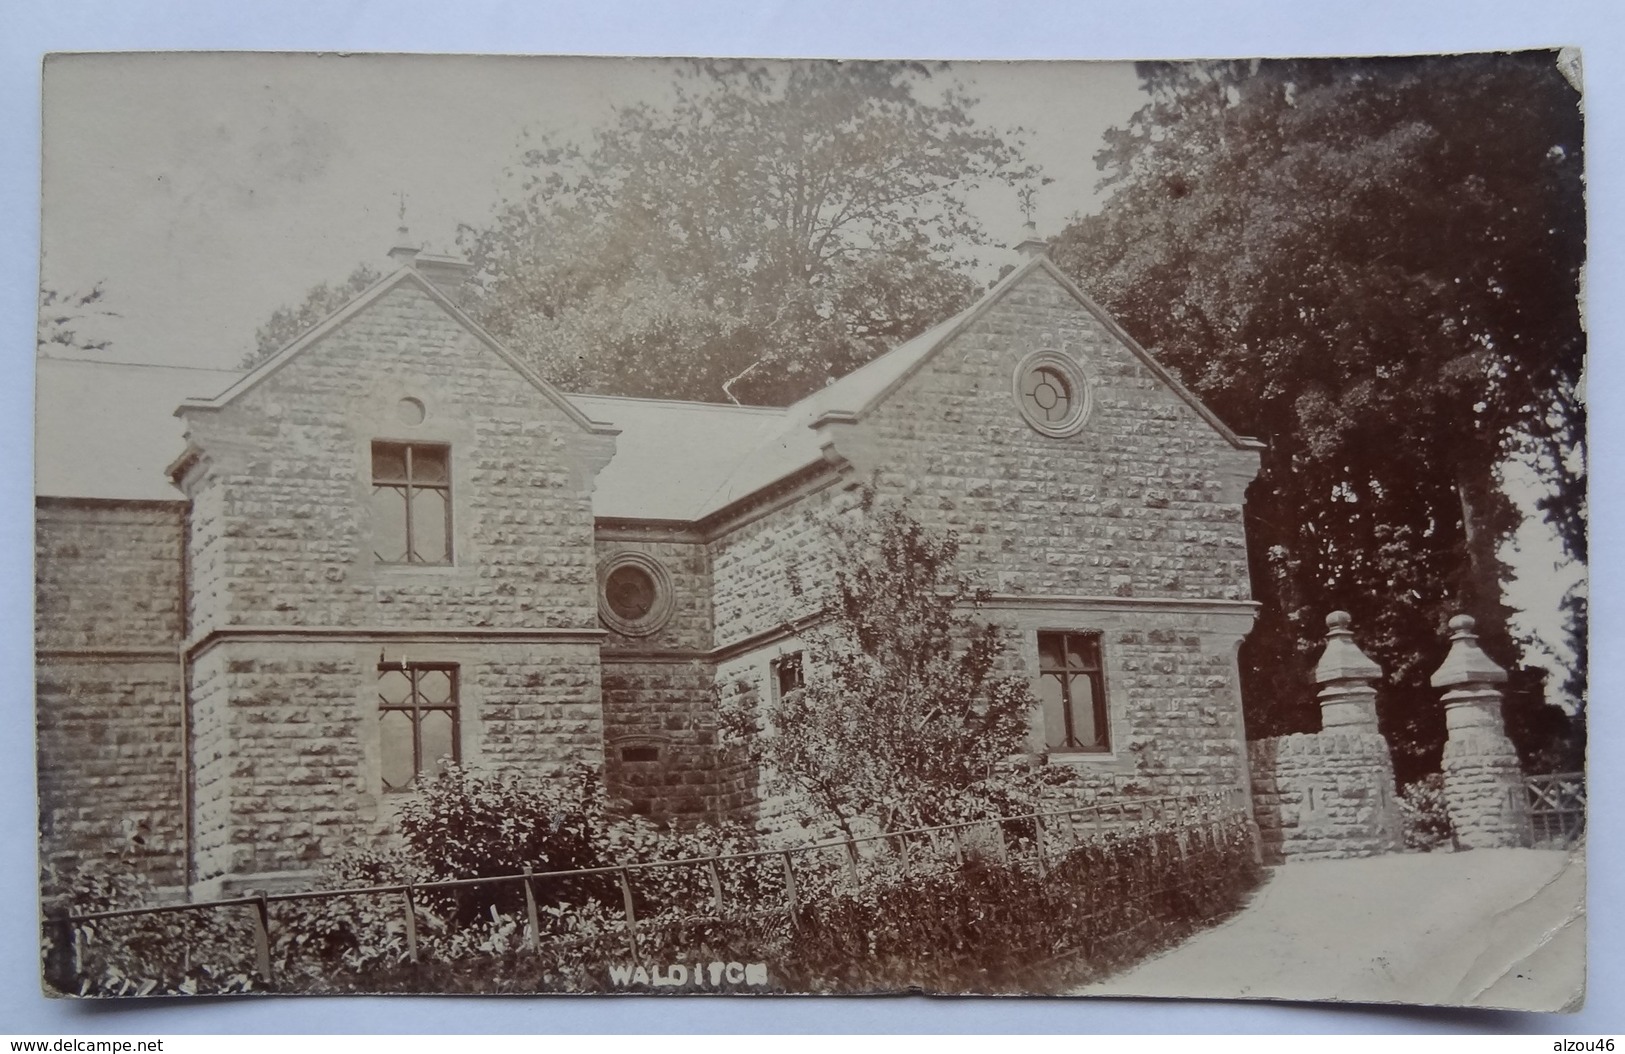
(267, 602)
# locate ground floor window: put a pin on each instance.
(417, 720)
(787, 675)
(1071, 688)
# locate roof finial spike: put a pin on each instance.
(404, 254)
(1031, 245)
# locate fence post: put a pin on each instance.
(533, 925)
(262, 934)
(959, 846)
(998, 841)
(631, 913)
(62, 964)
(411, 925)
(789, 886)
(852, 860)
(716, 883)
(1038, 843)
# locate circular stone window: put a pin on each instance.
(634, 594)
(410, 411)
(1052, 393)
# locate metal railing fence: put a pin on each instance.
(1035, 840)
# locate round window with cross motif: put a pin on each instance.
(1052, 393)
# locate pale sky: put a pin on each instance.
(205, 191)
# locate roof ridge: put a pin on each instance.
(138, 365)
(685, 403)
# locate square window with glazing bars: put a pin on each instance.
(411, 503)
(417, 720)
(1072, 690)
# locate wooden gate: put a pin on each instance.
(1557, 809)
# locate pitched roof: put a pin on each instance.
(108, 429)
(675, 461)
(859, 392)
(403, 275)
(680, 461)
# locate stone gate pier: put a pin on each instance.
(1483, 781)
(1331, 793)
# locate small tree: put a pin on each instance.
(905, 718)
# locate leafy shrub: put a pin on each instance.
(997, 926)
(971, 913)
(164, 953)
(1425, 819)
(473, 825)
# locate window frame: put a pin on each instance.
(1094, 677)
(406, 486)
(1071, 372)
(660, 610)
(794, 660)
(415, 707)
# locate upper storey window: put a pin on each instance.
(411, 503)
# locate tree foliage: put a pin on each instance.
(289, 323)
(61, 314)
(773, 226)
(906, 718)
(1373, 266)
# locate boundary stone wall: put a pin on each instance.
(1330, 793)
(1324, 795)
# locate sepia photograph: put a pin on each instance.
(566, 525)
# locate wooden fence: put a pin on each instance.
(1557, 809)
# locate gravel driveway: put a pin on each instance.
(1492, 927)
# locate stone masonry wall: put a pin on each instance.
(660, 712)
(1173, 708)
(1145, 501)
(660, 724)
(1324, 795)
(282, 522)
(751, 564)
(282, 539)
(108, 574)
(288, 754)
(689, 565)
(108, 705)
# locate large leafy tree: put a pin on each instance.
(1372, 265)
(770, 227)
